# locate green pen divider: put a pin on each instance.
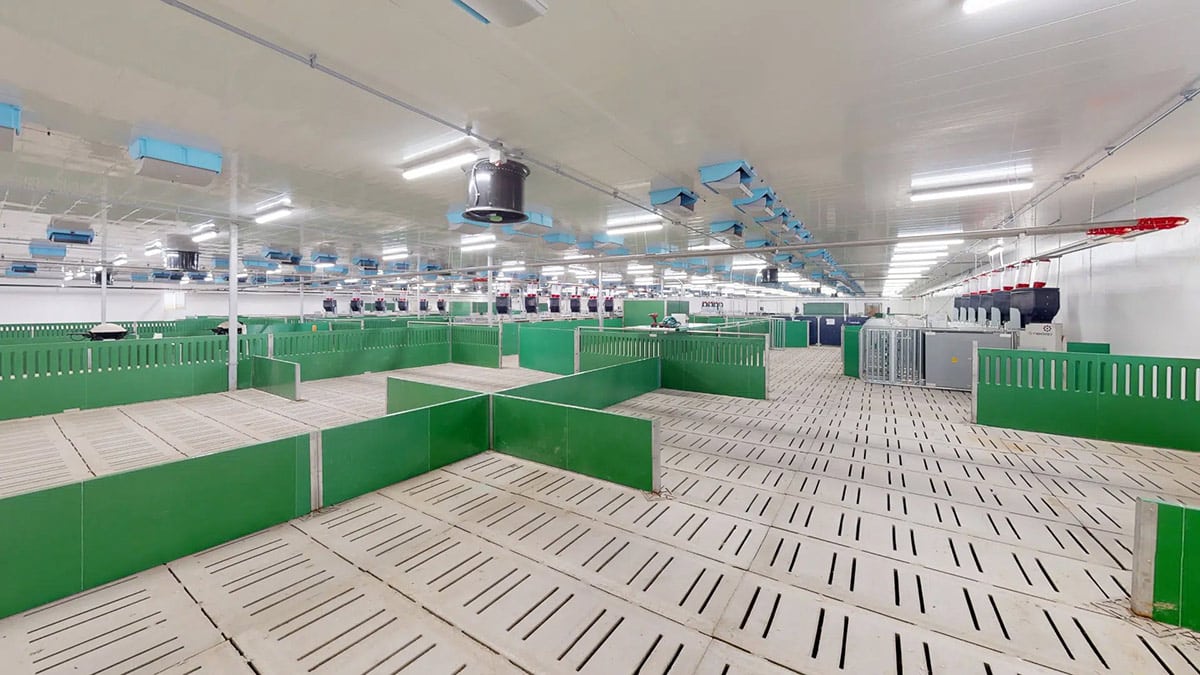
(603, 445)
(365, 456)
(548, 349)
(598, 388)
(67, 539)
(474, 345)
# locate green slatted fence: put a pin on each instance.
(730, 365)
(50, 378)
(475, 345)
(1133, 399)
(510, 338)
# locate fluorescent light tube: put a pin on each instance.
(972, 190)
(719, 246)
(273, 214)
(433, 150)
(205, 236)
(154, 251)
(388, 257)
(921, 232)
(518, 268)
(976, 6)
(634, 229)
(917, 257)
(635, 219)
(996, 251)
(394, 250)
(323, 265)
(438, 166)
(1006, 172)
(470, 248)
(554, 268)
(477, 238)
(121, 259)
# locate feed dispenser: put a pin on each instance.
(106, 331)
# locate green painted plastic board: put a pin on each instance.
(365, 456)
(795, 334)
(603, 445)
(1169, 564)
(849, 349)
(40, 547)
(405, 394)
(510, 338)
(277, 377)
(138, 519)
(550, 350)
(637, 312)
(824, 308)
(1089, 347)
(599, 388)
(458, 429)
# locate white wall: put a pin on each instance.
(1140, 295)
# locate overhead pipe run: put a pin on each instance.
(312, 62)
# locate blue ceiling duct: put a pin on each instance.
(676, 199)
(44, 248)
(761, 200)
(734, 175)
(70, 231)
(21, 270)
(733, 227)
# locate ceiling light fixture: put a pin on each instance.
(976, 6)
(205, 236)
(719, 246)
(323, 265)
(636, 219)
(279, 209)
(985, 175)
(438, 166)
(393, 250)
(972, 190)
(995, 251)
(634, 229)
(389, 257)
(924, 232)
(433, 150)
(471, 248)
(121, 259)
(477, 238)
(153, 250)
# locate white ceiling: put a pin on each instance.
(836, 104)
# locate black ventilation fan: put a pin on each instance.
(496, 192)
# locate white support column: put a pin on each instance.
(233, 308)
(491, 296)
(104, 257)
(600, 295)
(233, 274)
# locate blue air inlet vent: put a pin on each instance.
(22, 270)
(366, 262)
(177, 163)
(67, 231)
(44, 248)
(736, 175)
(678, 199)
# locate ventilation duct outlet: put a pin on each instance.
(507, 13)
(180, 253)
(173, 162)
(496, 192)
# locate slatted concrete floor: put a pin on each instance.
(41, 452)
(839, 528)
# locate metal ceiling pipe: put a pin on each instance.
(1073, 228)
(312, 62)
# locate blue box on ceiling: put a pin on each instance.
(305, 269)
(366, 262)
(10, 117)
(175, 153)
(43, 248)
(137, 276)
(220, 263)
(21, 270)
